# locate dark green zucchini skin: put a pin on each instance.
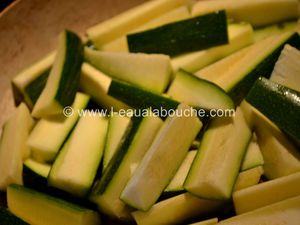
(32, 90)
(71, 70)
(116, 160)
(35, 88)
(193, 34)
(265, 68)
(33, 180)
(139, 98)
(7, 218)
(279, 103)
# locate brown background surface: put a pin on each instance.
(29, 30)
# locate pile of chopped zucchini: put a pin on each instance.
(70, 155)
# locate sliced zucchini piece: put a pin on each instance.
(279, 103)
(35, 174)
(281, 157)
(264, 32)
(217, 163)
(266, 193)
(287, 69)
(48, 135)
(107, 190)
(63, 79)
(38, 208)
(42, 169)
(177, 181)
(207, 222)
(140, 98)
(259, 61)
(13, 147)
(149, 71)
(7, 218)
(183, 36)
(120, 44)
(216, 70)
(162, 160)
(117, 127)
(256, 12)
(281, 213)
(123, 23)
(81, 154)
(94, 83)
(240, 35)
(253, 156)
(129, 94)
(30, 82)
(248, 178)
(198, 93)
(176, 210)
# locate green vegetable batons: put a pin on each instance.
(63, 80)
(95, 83)
(149, 71)
(256, 12)
(287, 68)
(117, 127)
(281, 213)
(240, 35)
(217, 163)
(123, 23)
(13, 147)
(279, 103)
(177, 181)
(216, 70)
(281, 157)
(248, 178)
(163, 158)
(120, 44)
(49, 134)
(176, 210)
(266, 193)
(183, 36)
(264, 32)
(198, 93)
(81, 154)
(136, 142)
(140, 98)
(253, 156)
(30, 82)
(37, 208)
(259, 61)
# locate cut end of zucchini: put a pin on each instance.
(287, 68)
(198, 93)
